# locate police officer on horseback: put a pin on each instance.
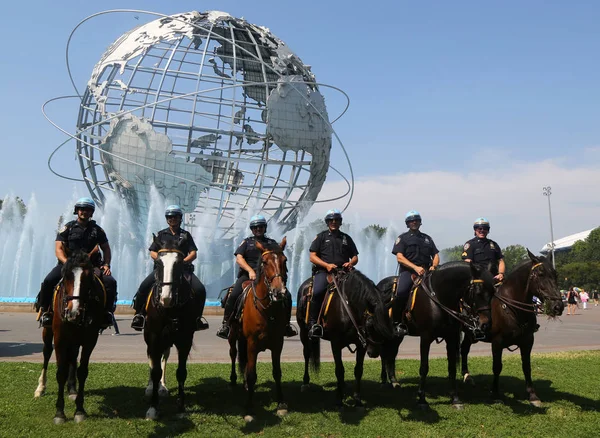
(82, 234)
(173, 233)
(247, 256)
(331, 249)
(484, 252)
(416, 253)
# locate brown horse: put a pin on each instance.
(454, 295)
(355, 315)
(262, 324)
(170, 320)
(79, 302)
(514, 317)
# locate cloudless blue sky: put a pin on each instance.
(463, 87)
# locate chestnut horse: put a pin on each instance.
(355, 315)
(262, 324)
(170, 320)
(454, 295)
(78, 306)
(514, 317)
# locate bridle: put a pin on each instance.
(161, 283)
(271, 294)
(520, 305)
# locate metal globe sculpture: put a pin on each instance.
(217, 113)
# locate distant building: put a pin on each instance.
(565, 243)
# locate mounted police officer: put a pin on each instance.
(331, 249)
(416, 253)
(247, 256)
(82, 234)
(484, 252)
(174, 232)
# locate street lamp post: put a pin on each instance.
(547, 192)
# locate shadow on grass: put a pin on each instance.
(15, 349)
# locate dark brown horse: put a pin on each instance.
(514, 317)
(170, 320)
(79, 302)
(262, 324)
(456, 294)
(355, 315)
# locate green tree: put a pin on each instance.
(513, 255)
(376, 229)
(453, 254)
(581, 274)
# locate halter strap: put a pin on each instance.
(171, 250)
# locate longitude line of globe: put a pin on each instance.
(197, 92)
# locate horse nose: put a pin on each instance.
(559, 307)
(485, 327)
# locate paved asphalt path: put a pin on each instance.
(20, 340)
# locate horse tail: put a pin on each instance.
(242, 354)
(381, 319)
(315, 354)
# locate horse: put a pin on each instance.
(453, 295)
(170, 320)
(79, 302)
(514, 317)
(354, 315)
(262, 324)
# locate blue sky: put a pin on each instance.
(458, 109)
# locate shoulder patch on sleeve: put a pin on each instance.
(63, 229)
(464, 254)
(315, 237)
(467, 246)
(397, 240)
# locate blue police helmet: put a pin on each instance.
(258, 220)
(84, 203)
(481, 222)
(334, 213)
(173, 210)
(412, 215)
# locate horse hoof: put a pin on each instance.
(282, 412)
(248, 419)
(396, 385)
(181, 415)
(79, 418)
(148, 392)
(458, 406)
(38, 394)
(536, 403)
(163, 392)
(305, 387)
(72, 397)
(59, 420)
(468, 379)
(424, 406)
(152, 414)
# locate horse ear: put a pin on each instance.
(259, 246)
(283, 243)
(532, 257)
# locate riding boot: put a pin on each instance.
(139, 319)
(400, 329)
(47, 317)
(223, 331)
(315, 329)
(289, 328)
(201, 323)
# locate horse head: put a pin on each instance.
(272, 270)
(168, 272)
(479, 296)
(542, 283)
(77, 283)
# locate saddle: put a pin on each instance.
(406, 313)
(238, 308)
(329, 293)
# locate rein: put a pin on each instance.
(258, 305)
(346, 307)
(520, 305)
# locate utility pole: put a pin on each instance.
(547, 191)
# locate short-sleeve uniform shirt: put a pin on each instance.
(485, 253)
(250, 252)
(181, 236)
(337, 248)
(79, 238)
(417, 247)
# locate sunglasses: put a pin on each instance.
(482, 229)
(85, 209)
(334, 220)
(172, 216)
(258, 227)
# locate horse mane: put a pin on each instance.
(77, 259)
(452, 265)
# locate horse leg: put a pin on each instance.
(358, 373)
(183, 350)
(250, 377)
(62, 371)
(82, 374)
(339, 373)
(388, 363)
(452, 343)
(465, 348)
(497, 368)
(282, 408)
(525, 348)
(155, 376)
(162, 388)
(47, 336)
(233, 355)
(306, 349)
(424, 370)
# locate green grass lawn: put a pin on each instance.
(567, 383)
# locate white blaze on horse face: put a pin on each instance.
(168, 259)
(76, 291)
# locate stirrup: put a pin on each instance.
(201, 323)
(139, 322)
(316, 331)
(223, 332)
(290, 331)
(400, 329)
(46, 321)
